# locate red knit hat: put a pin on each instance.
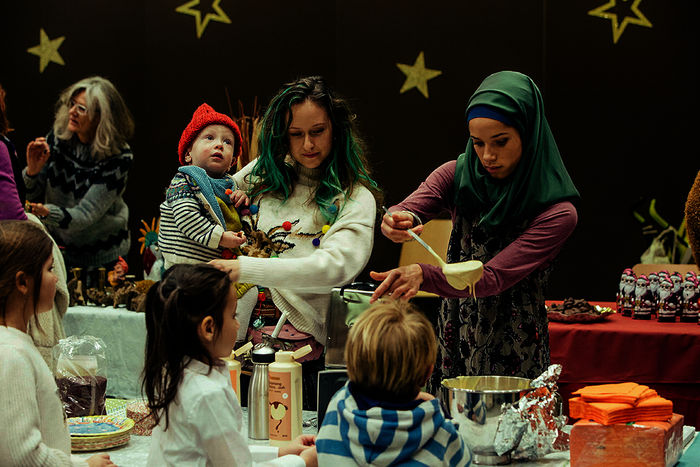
(203, 117)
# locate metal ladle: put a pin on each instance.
(459, 275)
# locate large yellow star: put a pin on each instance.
(201, 24)
(47, 50)
(417, 76)
(617, 27)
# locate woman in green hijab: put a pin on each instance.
(510, 199)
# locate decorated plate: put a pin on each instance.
(99, 425)
(98, 443)
(596, 314)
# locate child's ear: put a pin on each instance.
(22, 282)
(206, 329)
(188, 157)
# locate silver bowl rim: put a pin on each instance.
(488, 391)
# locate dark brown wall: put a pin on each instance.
(624, 114)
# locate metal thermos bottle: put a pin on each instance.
(258, 405)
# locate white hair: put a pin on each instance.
(115, 123)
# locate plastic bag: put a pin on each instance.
(80, 375)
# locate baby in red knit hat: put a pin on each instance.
(199, 221)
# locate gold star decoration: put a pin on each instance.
(619, 27)
(47, 50)
(201, 24)
(417, 75)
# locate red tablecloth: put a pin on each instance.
(664, 356)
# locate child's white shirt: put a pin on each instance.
(33, 428)
(205, 423)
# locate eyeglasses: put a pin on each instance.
(82, 110)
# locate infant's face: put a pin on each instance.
(212, 150)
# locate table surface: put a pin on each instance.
(135, 453)
(664, 356)
(124, 335)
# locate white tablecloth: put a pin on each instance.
(135, 453)
(124, 335)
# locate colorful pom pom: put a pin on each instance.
(332, 208)
(228, 191)
(316, 242)
(245, 212)
(227, 254)
(254, 208)
(286, 225)
(325, 228)
(261, 296)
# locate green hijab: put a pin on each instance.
(540, 178)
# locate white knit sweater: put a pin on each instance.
(300, 279)
(33, 429)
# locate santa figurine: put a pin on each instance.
(644, 301)
(669, 303)
(654, 285)
(620, 296)
(689, 302)
(627, 296)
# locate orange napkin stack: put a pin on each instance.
(608, 404)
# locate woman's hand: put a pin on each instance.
(401, 283)
(298, 445)
(37, 155)
(239, 198)
(39, 209)
(230, 266)
(100, 460)
(231, 239)
(395, 225)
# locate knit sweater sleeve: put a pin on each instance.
(108, 185)
(10, 205)
(36, 184)
(188, 215)
(342, 253)
(535, 247)
(19, 431)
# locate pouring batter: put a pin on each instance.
(510, 200)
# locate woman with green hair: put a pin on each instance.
(312, 215)
(510, 199)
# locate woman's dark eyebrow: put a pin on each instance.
(499, 134)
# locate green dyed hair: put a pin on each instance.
(346, 164)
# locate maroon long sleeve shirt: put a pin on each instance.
(534, 248)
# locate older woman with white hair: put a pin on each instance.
(77, 174)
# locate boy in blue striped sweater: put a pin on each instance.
(380, 417)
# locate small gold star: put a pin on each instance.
(47, 50)
(617, 27)
(417, 75)
(201, 25)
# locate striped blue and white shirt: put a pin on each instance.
(377, 436)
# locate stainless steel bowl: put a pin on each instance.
(475, 403)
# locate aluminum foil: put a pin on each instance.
(533, 426)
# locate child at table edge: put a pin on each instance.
(191, 324)
(380, 416)
(33, 428)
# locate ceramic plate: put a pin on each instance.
(99, 425)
